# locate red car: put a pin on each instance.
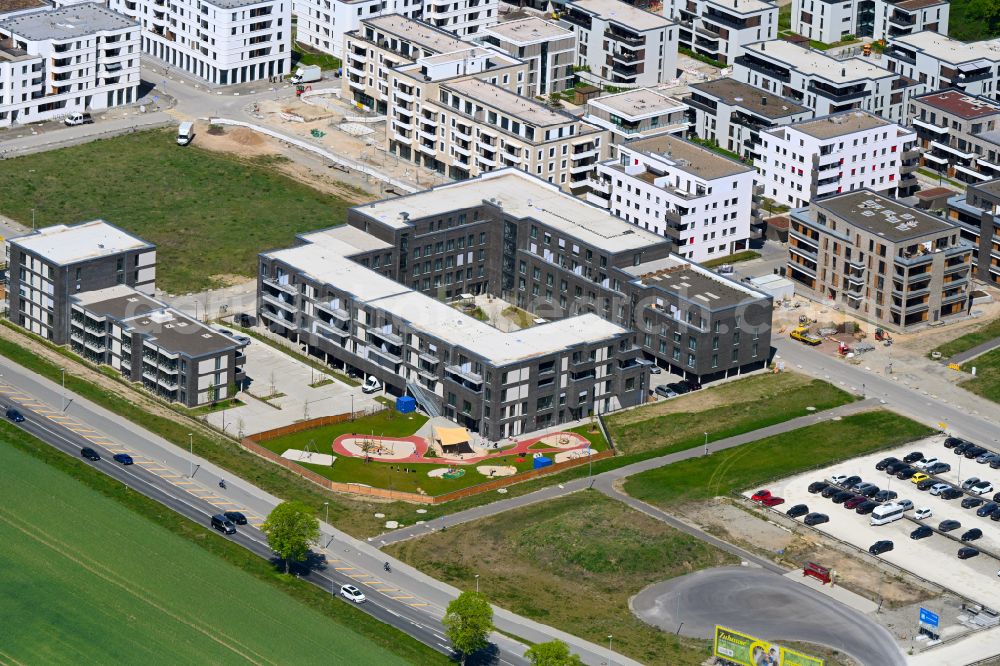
(855, 502)
(772, 501)
(760, 495)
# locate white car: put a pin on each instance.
(371, 385)
(939, 488)
(981, 488)
(837, 479)
(352, 593)
(922, 512)
(924, 463)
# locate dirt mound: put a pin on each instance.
(246, 137)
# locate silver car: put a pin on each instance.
(939, 488)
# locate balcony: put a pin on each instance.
(905, 20)
(338, 313)
(954, 151)
(463, 377)
(625, 38)
(385, 353)
(625, 56)
(389, 337)
(405, 96)
(279, 302)
(931, 127)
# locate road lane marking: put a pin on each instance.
(418, 605)
(402, 596)
(343, 568)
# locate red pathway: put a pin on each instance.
(419, 456)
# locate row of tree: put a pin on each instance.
(292, 528)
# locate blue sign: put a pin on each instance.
(929, 618)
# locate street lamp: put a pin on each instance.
(62, 371)
(327, 505)
(706, 443)
(477, 583)
(611, 655)
(191, 450)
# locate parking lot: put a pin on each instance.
(934, 557)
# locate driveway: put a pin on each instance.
(763, 604)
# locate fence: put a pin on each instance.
(317, 422)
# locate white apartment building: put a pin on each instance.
(549, 50)
(827, 21)
(848, 151)
(620, 45)
(637, 114)
(701, 201)
(719, 29)
(733, 114)
(821, 82)
(461, 17)
(938, 62)
(55, 62)
(223, 42)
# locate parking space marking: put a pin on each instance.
(417, 605)
(343, 568)
(403, 596)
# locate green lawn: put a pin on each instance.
(723, 411)
(745, 255)
(90, 581)
(208, 213)
(785, 18)
(774, 457)
(973, 20)
(985, 333)
(572, 563)
(986, 383)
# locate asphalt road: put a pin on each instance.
(383, 608)
(763, 604)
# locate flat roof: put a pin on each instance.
(693, 283)
(68, 22)
(118, 302)
(957, 103)
(624, 14)
(689, 157)
(913, 5)
(816, 63)
(883, 216)
(350, 240)
(10, 53)
(523, 196)
(232, 4)
(950, 50)
(638, 103)
(61, 244)
(522, 108)
(177, 333)
(418, 32)
(989, 186)
(755, 100)
(742, 6)
(839, 124)
(530, 30)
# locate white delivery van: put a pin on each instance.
(185, 133)
(887, 513)
(308, 74)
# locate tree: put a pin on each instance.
(553, 653)
(290, 528)
(468, 622)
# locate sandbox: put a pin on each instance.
(310, 457)
(563, 456)
(496, 470)
(377, 448)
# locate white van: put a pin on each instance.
(185, 133)
(371, 385)
(887, 513)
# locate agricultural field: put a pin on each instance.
(90, 581)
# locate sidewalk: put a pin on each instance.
(978, 350)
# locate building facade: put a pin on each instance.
(937, 62)
(977, 215)
(958, 134)
(549, 50)
(702, 202)
(621, 45)
(611, 300)
(837, 154)
(54, 62)
(733, 114)
(887, 263)
(718, 29)
(322, 24)
(830, 22)
(636, 114)
(222, 42)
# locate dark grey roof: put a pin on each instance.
(756, 100)
(882, 216)
(68, 22)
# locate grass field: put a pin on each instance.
(572, 563)
(984, 333)
(973, 20)
(208, 213)
(986, 383)
(725, 410)
(774, 457)
(90, 581)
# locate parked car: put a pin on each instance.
(918, 477)
(926, 484)
(855, 502)
(665, 391)
(971, 481)
(995, 463)
(760, 495)
(881, 464)
(966, 552)
(987, 509)
(952, 442)
(949, 525)
(818, 487)
(921, 532)
(996, 498)
(867, 489)
(851, 481)
(679, 388)
(913, 457)
(867, 507)
(773, 500)
(938, 468)
(78, 118)
(123, 458)
(951, 493)
(886, 495)
(973, 534)
(985, 458)
(939, 488)
(893, 468)
(797, 510)
(235, 516)
(692, 384)
(842, 496)
(905, 503)
(830, 491)
(907, 473)
(922, 513)
(816, 519)
(971, 502)
(995, 516)
(371, 385)
(924, 463)
(89, 454)
(880, 547)
(974, 452)
(352, 593)
(981, 488)
(655, 369)
(962, 446)
(15, 416)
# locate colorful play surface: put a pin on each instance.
(415, 449)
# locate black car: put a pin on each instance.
(995, 515)
(886, 495)
(996, 497)
(880, 547)
(952, 442)
(921, 532)
(842, 496)
(692, 384)
(679, 388)
(906, 473)
(123, 458)
(995, 463)
(851, 481)
(927, 483)
(15, 416)
(951, 493)
(89, 454)
(881, 464)
(949, 525)
(870, 491)
(893, 468)
(818, 487)
(974, 452)
(967, 552)
(236, 517)
(938, 468)
(816, 519)
(913, 457)
(971, 502)
(961, 448)
(972, 534)
(867, 507)
(830, 491)
(797, 510)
